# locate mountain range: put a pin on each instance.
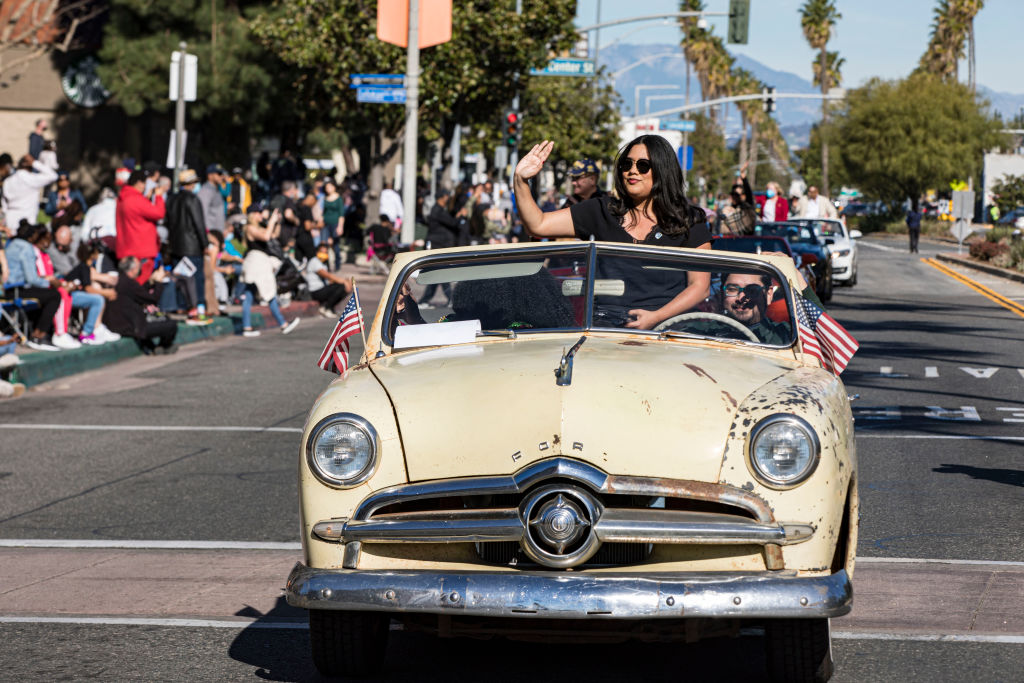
(663, 65)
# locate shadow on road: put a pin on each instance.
(997, 474)
(283, 655)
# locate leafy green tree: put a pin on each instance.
(236, 74)
(818, 20)
(580, 115)
(810, 160)
(902, 137)
(711, 159)
(467, 80)
(1009, 192)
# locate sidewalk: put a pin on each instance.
(43, 366)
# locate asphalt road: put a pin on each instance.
(941, 472)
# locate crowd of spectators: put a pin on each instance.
(143, 258)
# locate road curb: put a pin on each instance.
(43, 366)
(985, 268)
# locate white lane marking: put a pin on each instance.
(839, 634)
(1016, 414)
(1021, 371)
(144, 545)
(885, 369)
(142, 621)
(878, 246)
(929, 560)
(954, 437)
(148, 428)
(980, 373)
(965, 414)
(931, 371)
(928, 637)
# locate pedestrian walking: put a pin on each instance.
(187, 239)
(914, 227)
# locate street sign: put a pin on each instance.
(376, 95)
(564, 66)
(377, 80)
(685, 156)
(963, 204)
(191, 76)
(687, 126)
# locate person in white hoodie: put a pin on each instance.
(22, 190)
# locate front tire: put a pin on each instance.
(348, 644)
(798, 650)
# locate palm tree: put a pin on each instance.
(834, 72)
(952, 26)
(818, 19)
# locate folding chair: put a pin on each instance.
(14, 309)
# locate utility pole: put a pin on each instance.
(179, 116)
(513, 153)
(412, 97)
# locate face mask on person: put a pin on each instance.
(770, 193)
(323, 257)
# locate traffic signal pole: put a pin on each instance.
(412, 98)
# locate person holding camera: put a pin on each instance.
(126, 315)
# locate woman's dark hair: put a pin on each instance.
(219, 236)
(86, 250)
(671, 210)
(25, 230)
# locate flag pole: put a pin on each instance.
(359, 311)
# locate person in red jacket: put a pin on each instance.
(136, 223)
(775, 207)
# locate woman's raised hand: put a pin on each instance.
(530, 165)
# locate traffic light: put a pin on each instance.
(739, 21)
(512, 127)
(768, 99)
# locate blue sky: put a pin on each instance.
(877, 37)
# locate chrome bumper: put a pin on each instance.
(565, 595)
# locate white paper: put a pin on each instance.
(170, 149)
(184, 268)
(436, 334)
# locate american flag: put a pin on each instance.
(335, 355)
(824, 338)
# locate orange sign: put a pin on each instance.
(435, 22)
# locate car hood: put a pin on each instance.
(636, 406)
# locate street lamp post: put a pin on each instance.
(647, 100)
(637, 89)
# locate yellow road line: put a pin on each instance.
(978, 287)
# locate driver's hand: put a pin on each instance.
(642, 319)
(531, 164)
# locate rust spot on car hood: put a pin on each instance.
(700, 372)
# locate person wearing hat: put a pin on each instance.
(584, 175)
(212, 198)
(186, 237)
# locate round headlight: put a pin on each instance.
(342, 450)
(783, 450)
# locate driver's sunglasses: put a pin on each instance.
(749, 290)
(643, 166)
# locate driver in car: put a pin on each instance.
(745, 298)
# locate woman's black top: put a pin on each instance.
(594, 217)
(645, 289)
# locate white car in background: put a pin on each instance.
(842, 243)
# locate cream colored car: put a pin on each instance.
(508, 457)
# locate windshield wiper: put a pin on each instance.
(563, 373)
(508, 334)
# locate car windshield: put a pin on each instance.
(795, 234)
(456, 299)
(750, 245)
(827, 228)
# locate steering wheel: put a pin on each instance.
(696, 315)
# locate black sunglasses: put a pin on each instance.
(643, 166)
(750, 291)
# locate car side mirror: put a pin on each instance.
(856, 234)
(830, 240)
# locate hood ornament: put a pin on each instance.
(563, 373)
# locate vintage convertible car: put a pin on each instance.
(521, 463)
